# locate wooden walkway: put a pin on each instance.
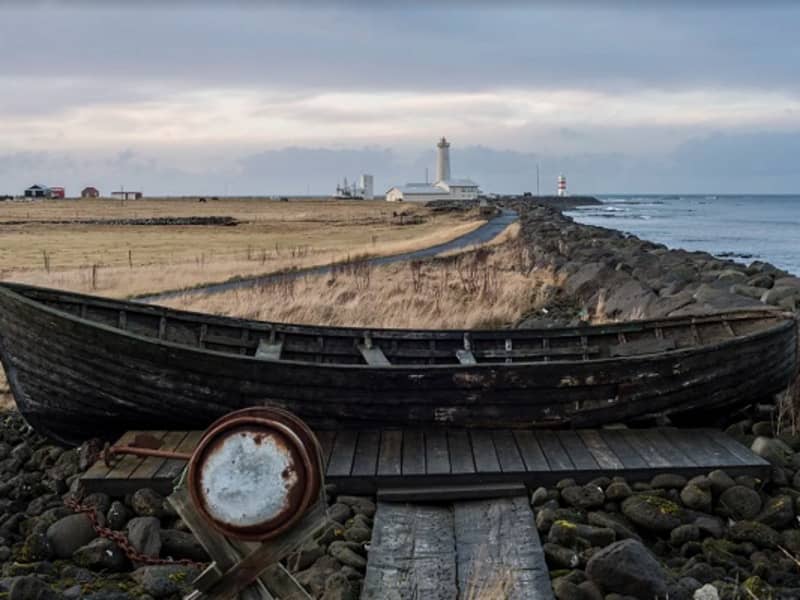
(474, 549)
(458, 460)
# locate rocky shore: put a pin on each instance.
(616, 276)
(49, 552)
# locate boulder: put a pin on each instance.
(345, 554)
(583, 497)
(654, 513)
(147, 502)
(772, 450)
(101, 555)
(31, 588)
(739, 502)
(339, 587)
(181, 544)
(627, 567)
(144, 534)
(757, 533)
(359, 504)
(777, 512)
(695, 497)
(70, 533)
(161, 581)
(668, 481)
(618, 490)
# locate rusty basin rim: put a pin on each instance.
(298, 440)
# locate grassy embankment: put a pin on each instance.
(489, 287)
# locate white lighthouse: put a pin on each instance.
(562, 185)
(443, 161)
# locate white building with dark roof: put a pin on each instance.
(445, 187)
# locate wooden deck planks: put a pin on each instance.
(497, 543)
(411, 553)
(362, 462)
(456, 552)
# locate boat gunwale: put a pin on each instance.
(783, 320)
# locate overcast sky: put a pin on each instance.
(263, 98)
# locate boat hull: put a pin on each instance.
(73, 379)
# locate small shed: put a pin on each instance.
(122, 195)
(90, 192)
(37, 191)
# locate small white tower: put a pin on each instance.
(443, 162)
(562, 185)
(366, 185)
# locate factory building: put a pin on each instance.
(445, 188)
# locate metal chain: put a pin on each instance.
(121, 540)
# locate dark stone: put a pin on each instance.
(583, 497)
(563, 589)
(346, 554)
(777, 512)
(683, 534)
(653, 513)
(739, 502)
(161, 581)
(339, 512)
(696, 498)
(359, 504)
(180, 544)
(144, 534)
(627, 567)
(31, 588)
(720, 481)
(757, 533)
(558, 557)
(339, 587)
(618, 490)
(668, 481)
(101, 555)
(117, 516)
(70, 533)
(147, 502)
(617, 523)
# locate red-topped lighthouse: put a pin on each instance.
(562, 185)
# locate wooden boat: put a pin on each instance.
(80, 366)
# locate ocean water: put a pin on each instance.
(743, 228)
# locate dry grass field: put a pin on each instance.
(127, 260)
(489, 287)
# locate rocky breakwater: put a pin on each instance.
(49, 552)
(617, 276)
(706, 538)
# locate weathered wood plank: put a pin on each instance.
(578, 452)
(344, 449)
(674, 454)
(461, 460)
(100, 469)
(605, 457)
(152, 464)
(413, 453)
(173, 467)
(507, 452)
(531, 452)
(437, 454)
(130, 462)
(390, 460)
(644, 445)
(365, 462)
(442, 493)
(738, 450)
(326, 439)
(497, 546)
(629, 457)
(557, 457)
(411, 554)
(484, 452)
